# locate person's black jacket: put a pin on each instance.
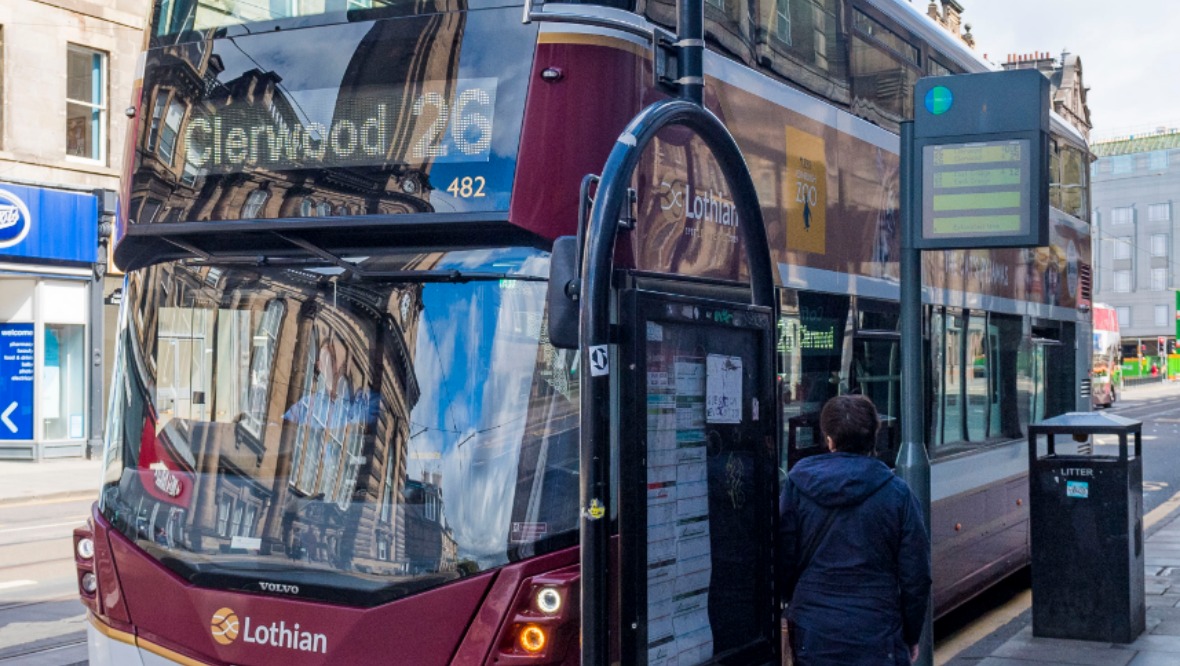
(861, 600)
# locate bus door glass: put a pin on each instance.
(1043, 350)
(813, 329)
(698, 481)
(876, 373)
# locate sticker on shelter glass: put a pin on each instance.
(723, 389)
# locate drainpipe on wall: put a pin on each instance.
(106, 201)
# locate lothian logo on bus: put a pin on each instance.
(226, 627)
(14, 219)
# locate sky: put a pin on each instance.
(1130, 52)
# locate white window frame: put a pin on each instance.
(1123, 312)
(1159, 245)
(1162, 312)
(1159, 212)
(1123, 249)
(1122, 282)
(97, 104)
(1123, 215)
(1159, 279)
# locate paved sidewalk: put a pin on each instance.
(70, 478)
(1014, 645)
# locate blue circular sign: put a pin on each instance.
(939, 100)
(14, 219)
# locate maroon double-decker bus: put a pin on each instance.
(339, 432)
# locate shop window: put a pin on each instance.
(86, 103)
(63, 381)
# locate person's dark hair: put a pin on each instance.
(851, 422)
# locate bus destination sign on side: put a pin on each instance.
(976, 189)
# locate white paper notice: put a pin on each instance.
(723, 389)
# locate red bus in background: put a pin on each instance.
(1107, 368)
(338, 432)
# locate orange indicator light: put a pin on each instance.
(532, 638)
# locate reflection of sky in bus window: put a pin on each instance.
(468, 424)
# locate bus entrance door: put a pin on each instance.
(697, 481)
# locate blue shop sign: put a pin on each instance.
(37, 223)
(16, 381)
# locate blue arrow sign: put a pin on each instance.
(17, 343)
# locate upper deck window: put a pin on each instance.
(884, 68)
(807, 41)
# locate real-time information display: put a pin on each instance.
(976, 189)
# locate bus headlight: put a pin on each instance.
(85, 548)
(89, 582)
(548, 600)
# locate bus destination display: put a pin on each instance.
(976, 189)
(448, 121)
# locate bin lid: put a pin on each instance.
(1087, 422)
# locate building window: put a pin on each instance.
(1122, 248)
(1124, 314)
(1160, 212)
(1122, 281)
(265, 344)
(85, 103)
(1159, 279)
(1157, 159)
(782, 21)
(1122, 215)
(1159, 245)
(253, 204)
(1122, 164)
(1161, 315)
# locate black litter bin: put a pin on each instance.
(1087, 533)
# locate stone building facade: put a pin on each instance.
(67, 71)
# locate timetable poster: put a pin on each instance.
(679, 554)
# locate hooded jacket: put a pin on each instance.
(861, 599)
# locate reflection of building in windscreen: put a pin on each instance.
(226, 138)
(282, 402)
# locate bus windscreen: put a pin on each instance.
(356, 441)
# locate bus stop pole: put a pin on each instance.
(913, 462)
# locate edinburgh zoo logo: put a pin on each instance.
(14, 219)
(224, 626)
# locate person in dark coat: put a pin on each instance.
(855, 551)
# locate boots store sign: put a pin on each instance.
(38, 223)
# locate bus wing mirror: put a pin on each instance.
(562, 297)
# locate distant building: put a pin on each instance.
(950, 16)
(1066, 89)
(1136, 184)
(67, 71)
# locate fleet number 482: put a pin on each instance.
(467, 187)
